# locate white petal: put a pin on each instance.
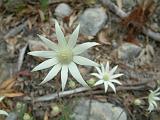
(44, 54)
(99, 71)
(113, 70)
(154, 103)
(112, 86)
(1, 98)
(46, 64)
(116, 76)
(97, 75)
(52, 73)
(116, 81)
(83, 47)
(76, 74)
(156, 98)
(49, 43)
(105, 86)
(102, 69)
(151, 107)
(73, 38)
(60, 35)
(64, 76)
(84, 61)
(3, 113)
(107, 67)
(99, 82)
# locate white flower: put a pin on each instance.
(107, 77)
(64, 56)
(152, 98)
(2, 112)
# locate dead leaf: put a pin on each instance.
(103, 38)
(8, 83)
(46, 116)
(41, 14)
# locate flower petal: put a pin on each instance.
(46, 64)
(105, 86)
(60, 35)
(64, 76)
(76, 74)
(73, 38)
(52, 73)
(113, 70)
(116, 76)
(116, 81)
(107, 67)
(84, 61)
(97, 75)
(2, 112)
(156, 98)
(49, 43)
(112, 86)
(99, 82)
(102, 69)
(83, 47)
(99, 71)
(44, 54)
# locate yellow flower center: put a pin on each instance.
(106, 76)
(65, 56)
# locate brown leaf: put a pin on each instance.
(46, 116)
(7, 84)
(102, 37)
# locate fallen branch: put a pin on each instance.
(122, 14)
(78, 90)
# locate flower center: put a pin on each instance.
(106, 76)
(65, 56)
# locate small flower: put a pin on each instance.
(64, 56)
(152, 98)
(107, 77)
(2, 112)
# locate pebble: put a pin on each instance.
(128, 51)
(98, 111)
(12, 116)
(63, 10)
(92, 20)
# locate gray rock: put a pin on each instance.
(98, 111)
(63, 10)
(12, 116)
(128, 51)
(4, 71)
(92, 20)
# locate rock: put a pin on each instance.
(5, 69)
(63, 10)
(92, 20)
(128, 51)
(12, 116)
(98, 111)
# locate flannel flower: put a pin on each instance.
(107, 77)
(152, 98)
(2, 112)
(64, 56)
